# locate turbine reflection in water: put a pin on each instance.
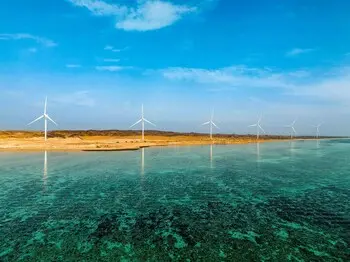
(45, 170)
(211, 156)
(142, 161)
(258, 152)
(292, 148)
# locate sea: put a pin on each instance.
(275, 201)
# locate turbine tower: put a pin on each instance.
(258, 128)
(318, 130)
(211, 124)
(292, 131)
(142, 121)
(46, 117)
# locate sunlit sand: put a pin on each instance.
(113, 140)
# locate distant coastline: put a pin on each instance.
(120, 140)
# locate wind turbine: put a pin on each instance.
(211, 124)
(318, 129)
(292, 131)
(258, 128)
(142, 121)
(46, 117)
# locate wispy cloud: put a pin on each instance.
(329, 86)
(111, 48)
(101, 8)
(33, 50)
(333, 86)
(299, 51)
(147, 15)
(111, 60)
(112, 68)
(237, 76)
(40, 40)
(79, 98)
(73, 66)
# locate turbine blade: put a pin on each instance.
(135, 123)
(51, 120)
(215, 125)
(149, 122)
(40, 117)
(294, 130)
(262, 129)
(206, 123)
(252, 125)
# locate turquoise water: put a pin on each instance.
(272, 202)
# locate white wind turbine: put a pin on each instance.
(46, 117)
(211, 124)
(142, 121)
(292, 131)
(258, 128)
(317, 129)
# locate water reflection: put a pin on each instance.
(142, 161)
(45, 170)
(211, 156)
(292, 148)
(258, 152)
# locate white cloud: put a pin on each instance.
(73, 66)
(79, 98)
(112, 68)
(40, 40)
(110, 60)
(153, 15)
(147, 15)
(299, 51)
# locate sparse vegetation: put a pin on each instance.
(128, 133)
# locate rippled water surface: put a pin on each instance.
(267, 202)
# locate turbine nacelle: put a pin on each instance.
(46, 117)
(258, 127)
(291, 126)
(317, 129)
(142, 121)
(211, 124)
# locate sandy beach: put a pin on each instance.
(113, 140)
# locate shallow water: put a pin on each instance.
(267, 202)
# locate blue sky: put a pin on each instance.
(97, 61)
